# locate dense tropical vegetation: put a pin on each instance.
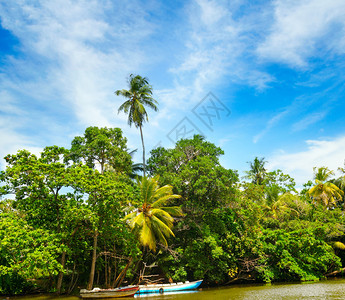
(76, 218)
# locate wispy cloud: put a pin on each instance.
(218, 46)
(319, 153)
(309, 120)
(83, 56)
(314, 104)
(270, 124)
(68, 63)
(303, 29)
(11, 141)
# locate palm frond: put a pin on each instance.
(163, 200)
(160, 237)
(130, 216)
(163, 215)
(124, 93)
(150, 102)
(138, 220)
(147, 237)
(154, 222)
(163, 228)
(164, 190)
(339, 245)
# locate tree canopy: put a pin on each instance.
(75, 217)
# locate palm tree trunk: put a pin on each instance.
(93, 263)
(142, 141)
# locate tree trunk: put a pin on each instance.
(105, 269)
(122, 275)
(335, 272)
(63, 263)
(142, 141)
(59, 282)
(93, 263)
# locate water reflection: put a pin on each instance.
(167, 294)
(330, 289)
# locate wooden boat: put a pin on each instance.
(127, 291)
(169, 287)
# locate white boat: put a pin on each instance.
(127, 291)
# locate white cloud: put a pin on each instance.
(270, 124)
(211, 11)
(66, 36)
(298, 28)
(8, 104)
(218, 48)
(309, 120)
(11, 141)
(71, 57)
(299, 165)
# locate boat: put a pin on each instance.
(168, 287)
(127, 291)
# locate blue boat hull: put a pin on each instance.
(170, 287)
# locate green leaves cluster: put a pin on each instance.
(65, 202)
(256, 230)
(152, 220)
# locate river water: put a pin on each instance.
(330, 289)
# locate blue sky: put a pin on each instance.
(277, 66)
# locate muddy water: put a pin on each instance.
(330, 289)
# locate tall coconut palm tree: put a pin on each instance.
(138, 96)
(323, 190)
(152, 221)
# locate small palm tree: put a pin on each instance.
(257, 171)
(276, 207)
(322, 174)
(325, 191)
(138, 96)
(286, 205)
(152, 221)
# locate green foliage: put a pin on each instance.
(26, 254)
(66, 225)
(74, 201)
(101, 146)
(152, 221)
(295, 255)
(325, 191)
(257, 172)
(139, 95)
(193, 168)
